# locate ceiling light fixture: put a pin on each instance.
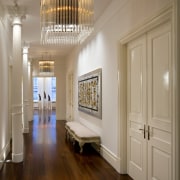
(46, 65)
(66, 21)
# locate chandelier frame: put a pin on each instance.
(66, 21)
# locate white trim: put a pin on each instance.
(16, 158)
(176, 98)
(4, 154)
(26, 100)
(17, 109)
(163, 16)
(17, 113)
(17, 105)
(110, 157)
(174, 86)
(122, 113)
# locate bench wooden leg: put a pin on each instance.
(73, 141)
(66, 134)
(81, 144)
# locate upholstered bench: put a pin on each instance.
(81, 134)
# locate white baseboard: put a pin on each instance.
(111, 158)
(4, 154)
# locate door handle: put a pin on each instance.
(148, 132)
(144, 131)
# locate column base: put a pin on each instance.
(1, 164)
(30, 115)
(25, 130)
(17, 158)
(4, 153)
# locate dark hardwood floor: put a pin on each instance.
(47, 156)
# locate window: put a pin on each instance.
(35, 89)
(41, 85)
(53, 88)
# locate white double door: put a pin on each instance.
(149, 118)
(44, 89)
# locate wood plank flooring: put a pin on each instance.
(47, 156)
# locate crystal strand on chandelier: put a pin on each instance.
(66, 21)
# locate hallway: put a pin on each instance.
(47, 156)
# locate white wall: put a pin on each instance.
(60, 74)
(5, 53)
(102, 51)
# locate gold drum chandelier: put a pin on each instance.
(46, 67)
(66, 21)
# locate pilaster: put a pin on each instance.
(30, 90)
(25, 90)
(17, 91)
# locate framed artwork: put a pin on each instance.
(89, 93)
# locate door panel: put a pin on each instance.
(159, 102)
(161, 164)
(149, 105)
(136, 108)
(159, 61)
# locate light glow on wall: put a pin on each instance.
(166, 80)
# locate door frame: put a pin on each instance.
(169, 13)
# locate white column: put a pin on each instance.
(25, 90)
(30, 91)
(17, 103)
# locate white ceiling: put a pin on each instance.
(31, 27)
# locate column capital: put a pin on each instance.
(30, 60)
(17, 14)
(25, 47)
(1, 12)
(16, 20)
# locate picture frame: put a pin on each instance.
(90, 93)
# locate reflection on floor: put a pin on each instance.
(48, 156)
(44, 126)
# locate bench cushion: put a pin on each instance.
(80, 130)
(81, 133)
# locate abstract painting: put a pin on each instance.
(89, 93)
